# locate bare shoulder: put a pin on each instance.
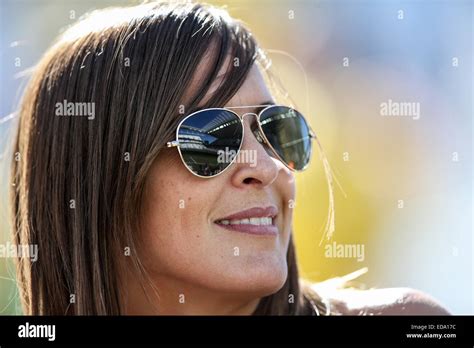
(389, 301)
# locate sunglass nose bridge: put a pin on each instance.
(249, 113)
(254, 127)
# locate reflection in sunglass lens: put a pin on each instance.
(288, 133)
(209, 140)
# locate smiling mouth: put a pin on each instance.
(256, 221)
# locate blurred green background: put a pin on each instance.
(339, 60)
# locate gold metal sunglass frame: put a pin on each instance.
(261, 137)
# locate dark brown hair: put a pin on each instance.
(75, 194)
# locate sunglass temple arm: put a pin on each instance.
(172, 143)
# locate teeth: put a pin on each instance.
(252, 221)
(255, 221)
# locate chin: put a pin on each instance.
(262, 279)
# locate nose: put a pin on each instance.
(254, 166)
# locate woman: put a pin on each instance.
(144, 205)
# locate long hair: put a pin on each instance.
(78, 182)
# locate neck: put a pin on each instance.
(173, 297)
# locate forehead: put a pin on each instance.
(254, 90)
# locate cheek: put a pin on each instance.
(287, 190)
(174, 221)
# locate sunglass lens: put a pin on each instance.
(209, 140)
(288, 133)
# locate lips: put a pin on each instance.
(257, 221)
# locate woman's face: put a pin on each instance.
(182, 242)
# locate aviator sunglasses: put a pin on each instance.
(205, 135)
